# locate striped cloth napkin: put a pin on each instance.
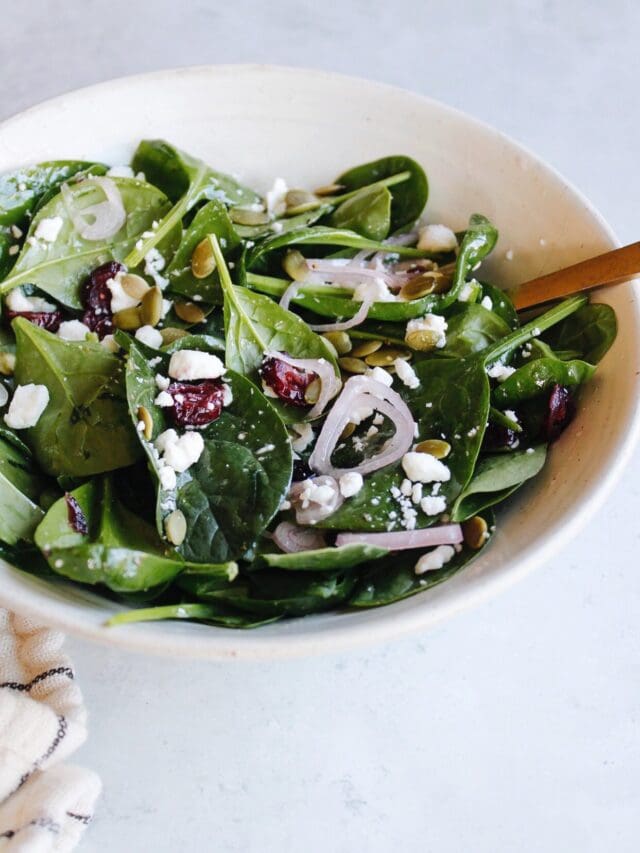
(44, 804)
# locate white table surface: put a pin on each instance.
(513, 727)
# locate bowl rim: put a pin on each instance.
(390, 625)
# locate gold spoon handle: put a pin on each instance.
(602, 271)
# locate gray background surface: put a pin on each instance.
(513, 727)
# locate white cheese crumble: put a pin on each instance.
(435, 559)
(350, 484)
(27, 404)
(189, 364)
(149, 336)
(375, 291)
(500, 371)
(305, 436)
(17, 301)
(162, 382)
(509, 413)
(436, 238)
(73, 330)
(322, 494)
(4, 395)
(180, 452)
(433, 505)
(167, 477)
(120, 299)
(429, 323)
(486, 302)
(154, 263)
(164, 400)
(379, 374)
(406, 373)
(16, 232)
(275, 197)
(48, 229)
(424, 468)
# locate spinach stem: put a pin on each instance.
(173, 217)
(276, 287)
(400, 178)
(167, 611)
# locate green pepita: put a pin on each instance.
(352, 365)
(475, 532)
(203, 261)
(435, 447)
(189, 312)
(340, 341)
(151, 308)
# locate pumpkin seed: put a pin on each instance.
(475, 532)
(422, 340)
(134, 285)
(151, 308)
(299, 201)
(366, 348)
(312, 392)
(7, 363)
(145, 417)
(352, 365)
(248, 216)
(385, 357)
(348, 430)
(329, 189)
(128, 319)
(340, 341)
(417, 287)
(189, 312)
(171, 334)
(175, 526)
(295, 265)
(203, 261)
(434, 446)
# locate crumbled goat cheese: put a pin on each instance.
(509, 413)
(433, 505)
(406, 373)
(435, 559)
(275, 198)
(4, 395)
(109, 343)
(406, 487)
(120, 299)
(430, 323)
(164, 400)
(17, 301)
(180, 452)
(486, 302)
(530, 450)
(73, 330)
(154, 263)
(305, 437)
(500, 371)
(375, 291)
(424, 468)
(350, 484)
(27, 404)
(16, 232)
(188, 364)
(162, 382)
(322, 494)
(379, 374)
(416, 493)
(436, 238)
(48, 229)
(149, 336)
(167, 477)
(120, 172)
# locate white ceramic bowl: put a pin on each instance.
(307, 126)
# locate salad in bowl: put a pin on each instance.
(235, 408)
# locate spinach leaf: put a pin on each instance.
(367, 213)
(408, 198)
(590, 332)
(6, 242)
(471, 328)
(452, 402)
(478, 241)
(26, 556)
(85, 429)
(230, 495)
(501, 305)
(539, 376)
(58, 268)
(120, 550)
(255, 325)
(20, 489)
(496, 477)
(210, 219)
(332, 559)
(284, 224)
(23, 189)
(186, 181)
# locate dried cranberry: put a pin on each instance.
(560, 412)
(301, 470)
(75, 515)
(499, 437)
(289, 383)
(96, 298)
(196, 404)
(49, 320)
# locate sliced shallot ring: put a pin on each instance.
(403, 540)
(330, 384)
(289, 294)
(364, 391)
(292, 539)
(359, 317)
(109, 215)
